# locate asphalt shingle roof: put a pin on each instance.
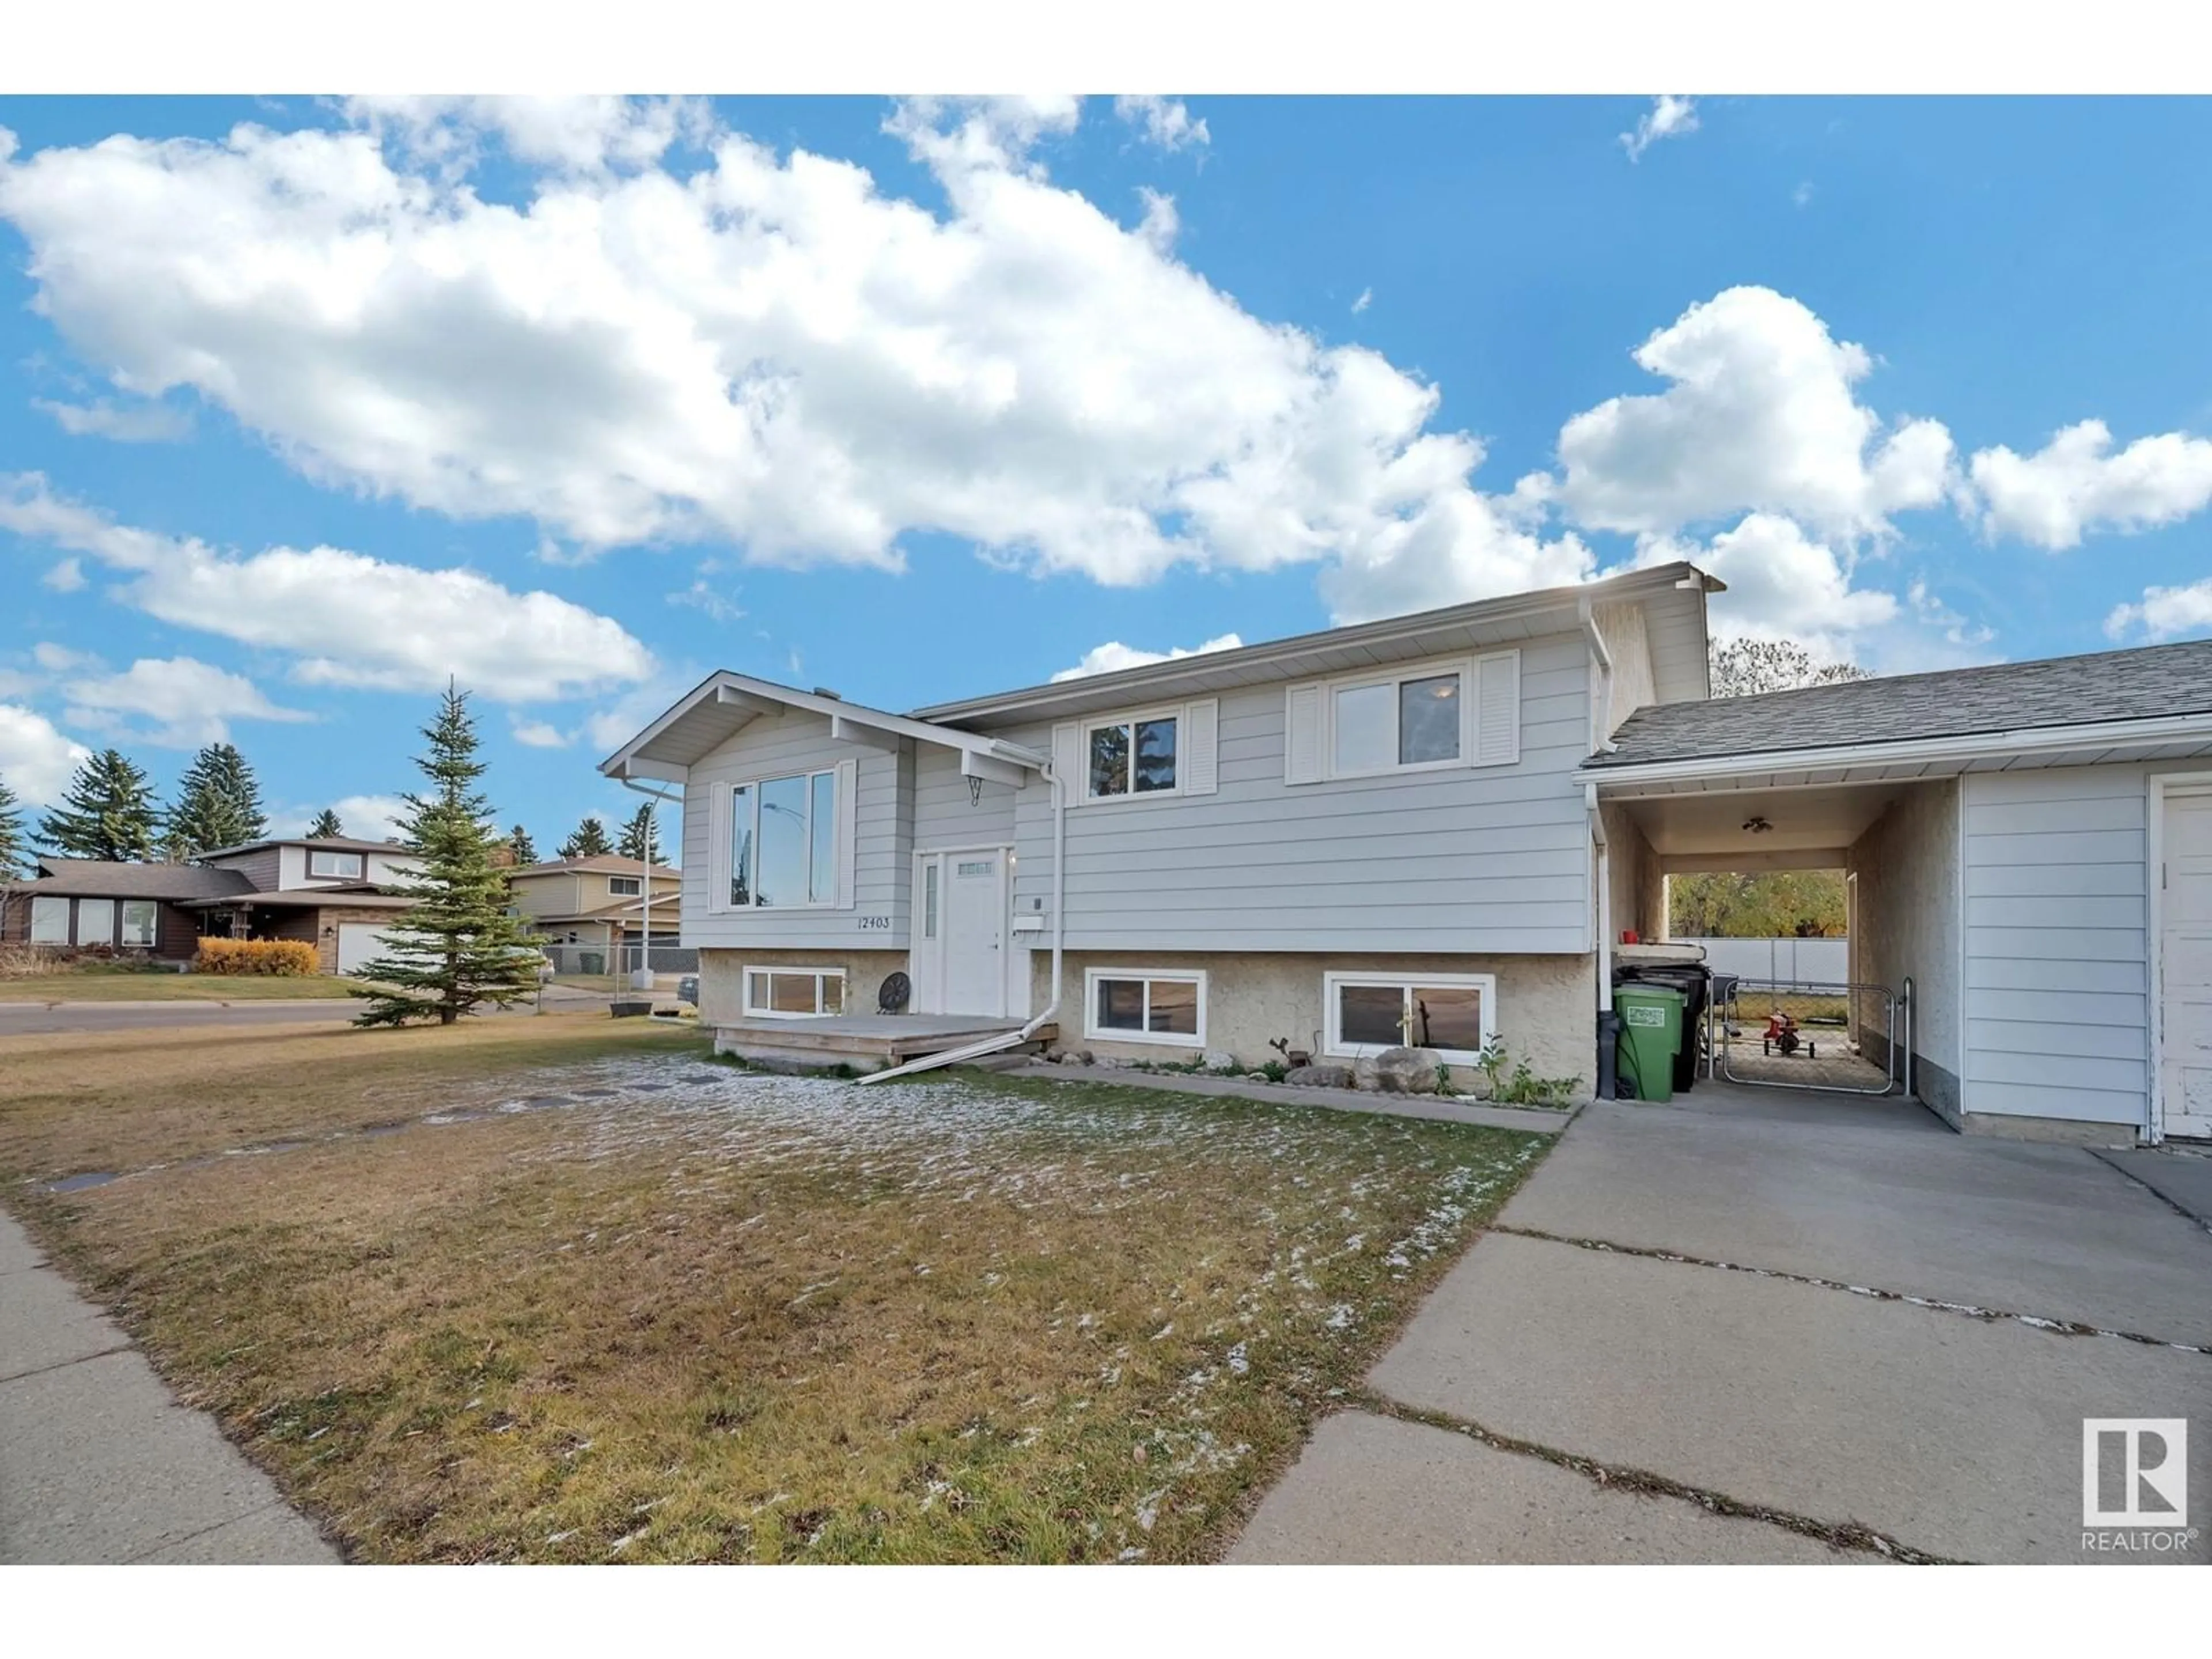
(2142, 683)
(95, 879)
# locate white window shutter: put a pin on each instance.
(1498, 709)
(1302, 734)
(1067, 759)
(1200, 762)
(848, 837)
(718, 849)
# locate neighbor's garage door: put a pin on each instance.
(359, 943)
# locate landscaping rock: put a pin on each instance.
(1321, 1076)
(1255, 1077)
(1216, 1060)
(1408, 1071)
(1363, 1074)
(1076, 1057)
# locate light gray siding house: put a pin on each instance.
(1436, 826)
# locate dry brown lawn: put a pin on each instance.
(558, 1290)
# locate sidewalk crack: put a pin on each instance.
(1937, 1304)
(1852, 1535)
(64, 1364)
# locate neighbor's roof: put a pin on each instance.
(2147, 683)
(305, 899)
(97, 878)
(321, 843)
(611, 864)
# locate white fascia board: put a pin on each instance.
(761, 696)
(1972, 746)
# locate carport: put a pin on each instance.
(2028, 846)
(1895, 841)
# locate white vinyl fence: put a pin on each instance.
(1779, 961)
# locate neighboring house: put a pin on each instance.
(327, 892)
(89, 904)
(594, 902)
(1432, 827)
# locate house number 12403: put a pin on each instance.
(870, 924)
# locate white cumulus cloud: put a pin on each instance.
(364, 817)
(187, 702)
(2163, 613)
(742, 346)
(1669, 116)
(1164, 121)
(2076, 484)
(1114, 656)
(1761, 416)
(346, 618)
(129, 423)
(35, 759)
(540, 735)
(1782, 584)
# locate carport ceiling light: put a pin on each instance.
(1757, 824)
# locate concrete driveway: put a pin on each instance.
(1759, 1326)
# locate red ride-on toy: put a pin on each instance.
(1781, 1037)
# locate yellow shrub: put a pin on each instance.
(286, 957)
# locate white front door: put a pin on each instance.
(2185, 1068)
(960, 957)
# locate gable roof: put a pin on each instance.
(2105, 687)
(1479, 625)
(612, 864)
(97, 878)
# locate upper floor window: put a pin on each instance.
(349, 864)
(783, 841)
(625, 886)
(1397, 722)
(1132, 757)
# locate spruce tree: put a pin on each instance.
(218, 805)
(589, 841)
(525, 850)
(456, 948)
(641, 837)
(12, 850)
(108, 813)
(326, 826)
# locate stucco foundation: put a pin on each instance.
(722, 993)
(1546, 1003)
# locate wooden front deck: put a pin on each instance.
(865, 1043)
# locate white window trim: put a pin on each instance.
(1333, 1043)
(359, 873)
(631, 891)
(836, 900)
(48, 901)
(123, 924)
(1179, 713)
(745, 988)
(107, 935)
(1094, 1031)
(1394, 677)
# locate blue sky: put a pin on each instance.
(579, 402)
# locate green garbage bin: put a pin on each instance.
(1650, 1036)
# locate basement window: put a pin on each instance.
(794, 992)
(1454, 1014)
(1143, 1004)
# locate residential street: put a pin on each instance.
(1809, 1386)
(38, 1018)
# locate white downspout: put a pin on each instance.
(992, 1045)
(1602, 741)
(644, 883)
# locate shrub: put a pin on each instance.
(283, 957)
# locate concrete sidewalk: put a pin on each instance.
(98, 1461)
